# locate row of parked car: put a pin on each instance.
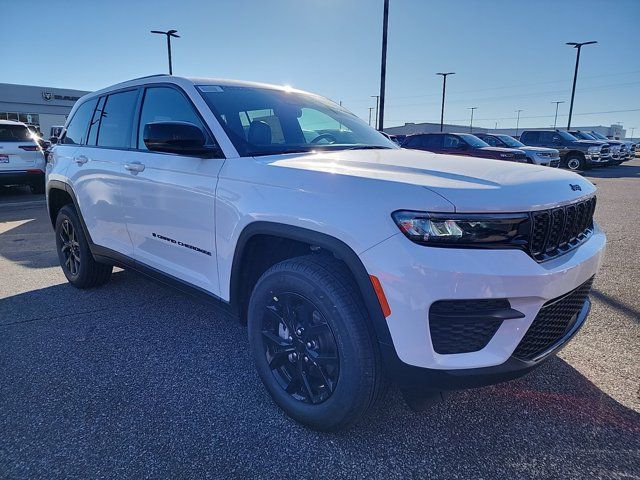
(572, 149)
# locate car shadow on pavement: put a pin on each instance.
(139, 380)
(27, 239)
(614, 171)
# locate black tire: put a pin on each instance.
(72, 244)
(37, 188)
(529, 161)
(575, 163)
(327, 285)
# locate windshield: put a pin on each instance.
(473, 140)
(583, 136)
(566, 135)
(14, 133)
(598, 136)
(268, 121)
(510, 141)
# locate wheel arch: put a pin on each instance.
(318, 242)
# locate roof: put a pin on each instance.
(11, 122)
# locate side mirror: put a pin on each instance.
(176, 137)
(54, 140)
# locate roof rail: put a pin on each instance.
(150, 76)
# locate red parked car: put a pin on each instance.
(461, 144)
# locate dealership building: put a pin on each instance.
(44, 107)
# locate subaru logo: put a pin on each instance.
(575, 187)
(47, 96)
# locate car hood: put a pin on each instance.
(499, 149)
(595, 143)
(471, 184)
(538, 149)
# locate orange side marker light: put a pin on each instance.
(386, 310)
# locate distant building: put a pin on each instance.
(614, 131)
(43, 107)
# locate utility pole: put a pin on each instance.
(471, 122)
(377, 97)
(383, 65)
(632, 130)
(518, 121)
(496, 126)
(555, 120)
(444, 89)
(370, 110)
(578, 47)
(169, 34)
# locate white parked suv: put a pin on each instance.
(354, 262)
(21, 158)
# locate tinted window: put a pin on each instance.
(116, 120)
(452, 142)
(492, 141)
(164, 104)
(76, 133)
(433, 142)
(95, 122)
(14, 133)
(529, 138)
(413, 142)
(549, 138)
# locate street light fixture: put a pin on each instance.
(169, 34)
(578, 47)
(444, 89)
(471, 123)
(555, 120)
(518, 121)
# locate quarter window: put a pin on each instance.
(76, 133)
(163, 104)
(116, 120)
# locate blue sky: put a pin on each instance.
(507, 54)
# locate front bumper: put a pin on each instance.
(21, 177)
(455, 379)
(413, 277)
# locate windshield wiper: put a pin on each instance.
(368, 147)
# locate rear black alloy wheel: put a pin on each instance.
(70, 247)
(300, 347)
(75, 256)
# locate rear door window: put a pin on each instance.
(76, 133)
(116, 120)
(530, 138)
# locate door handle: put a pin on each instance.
(134, 167)
(80, 160)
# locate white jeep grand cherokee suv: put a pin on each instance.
(354, 262)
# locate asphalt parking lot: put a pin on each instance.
(135, 380)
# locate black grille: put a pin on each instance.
(553, 322)
(557, 231)
(462, 326)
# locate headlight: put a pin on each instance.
(441, 229)
(593, 149)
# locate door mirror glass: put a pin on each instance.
(175, 137)
(53, 140)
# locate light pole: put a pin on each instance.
(471, 122)
(370, 110)
(444, 89)
(169, 34)
(578, 47)
(383, 65)
(377, 97)
(518, 121)
(632, 130)
(555, 120)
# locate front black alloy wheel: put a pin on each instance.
(300, 347)
(311, 342)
